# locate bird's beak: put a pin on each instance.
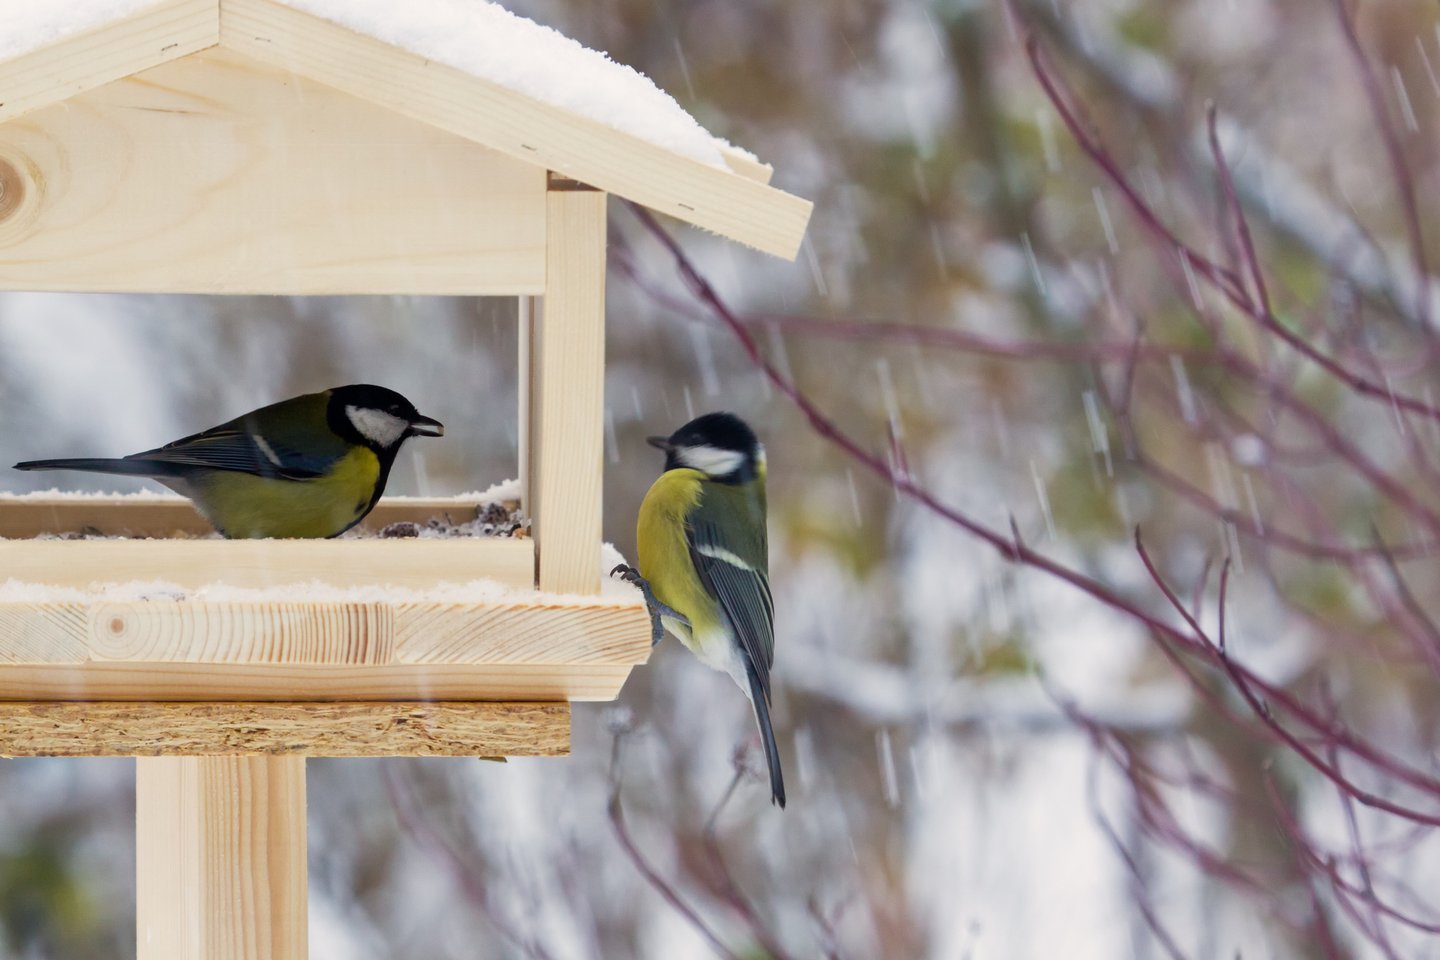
(660, 443)
(425, 427)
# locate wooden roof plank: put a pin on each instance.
(157, 34)
(735, 205)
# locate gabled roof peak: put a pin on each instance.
(468, 66)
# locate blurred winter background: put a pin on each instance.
(987, 758)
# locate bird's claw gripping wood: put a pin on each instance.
(657, 609)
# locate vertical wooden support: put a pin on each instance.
(567, 429)
(528, 311)
(220, 857)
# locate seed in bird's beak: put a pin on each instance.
(425, 427)
(660, 443)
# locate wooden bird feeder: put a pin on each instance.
(257, 146)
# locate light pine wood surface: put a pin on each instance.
(137, 681)
(217, 174)
(370, 729)
(221, 867)
(155, 34)
(191, 564)
(735, 205)
(542, 630)
(567, 376)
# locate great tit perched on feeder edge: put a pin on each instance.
(311, 466)
(704, 558)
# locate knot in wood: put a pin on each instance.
(12, 189)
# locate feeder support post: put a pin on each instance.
(220, 858)
(566, 435)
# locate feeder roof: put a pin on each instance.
(467, 66)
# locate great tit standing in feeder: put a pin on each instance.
(704, 558)
(310, 466)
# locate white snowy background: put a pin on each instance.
(942, 803)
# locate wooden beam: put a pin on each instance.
(190, 564)
(134, 681)
(26, 516)
(375, 729)
(525, 403)
(519, 630)
(217, 174)
(732, 205)
(155, 34)
(567, 430)
(220, 858)
(746, 165)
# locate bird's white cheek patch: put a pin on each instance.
(715, 461)
(377, 426)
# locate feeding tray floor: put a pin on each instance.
(354, 646)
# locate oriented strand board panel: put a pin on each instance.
(215, 174)
(377, 729)
(221, 868)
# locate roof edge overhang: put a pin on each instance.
(736, 203)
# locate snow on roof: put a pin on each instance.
(488, 41)
(476, 36)
(27, 25)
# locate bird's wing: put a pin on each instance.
(735, 569)
(243, 446)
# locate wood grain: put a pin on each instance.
(732, 205)
(30, 516)
(374, 729)
(282, 633)
(131, 681)
(221, 867)
(157, 34)
(567, 428)
(191, 564)
(217, 174)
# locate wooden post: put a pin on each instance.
(527, 317)
(220, 858)
(567, 429)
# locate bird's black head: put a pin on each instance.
(377, 417)
(719, 445)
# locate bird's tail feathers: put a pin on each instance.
(129, 468)
(767, 737)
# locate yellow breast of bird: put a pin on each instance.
(245, 506)
(664, 553)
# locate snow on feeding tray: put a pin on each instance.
(66, 515)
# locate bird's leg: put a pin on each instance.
(657, 609)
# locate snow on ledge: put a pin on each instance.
(613, 592)
(505, 490)
(136, 496)
(486, 40)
